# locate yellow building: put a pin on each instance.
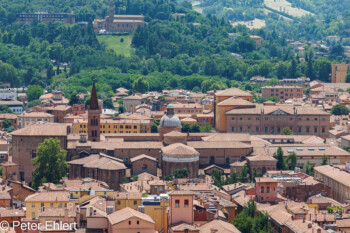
(339, 72)
(79, 193)
(123, 199)
(37, 201)
(195, 108)
(114, 126)
(225, 101)
(157, 210)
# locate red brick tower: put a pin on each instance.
(94, 117)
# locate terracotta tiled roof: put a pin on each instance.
(105, 163)
(59, 196)
(56, 212)
(12, 102)
(218, 145)
(127, 213)
(288, 109)
(8, 116)
(227, 137)
(35, 114)
(12, 213)
(235, 101)
(266, 179)
(309, 149)
(277, 212)
(233, 92)
(85, 160)
(181, 227)
(180, 193)
(146, 176)
(133, 97)
(42, 129)
(343, 223)
(301, 226)
(143, 156)
(260, 155)
(60, 107)
(127, 195)
(219, 226)
(178, 149)
(5, 195)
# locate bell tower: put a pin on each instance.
(94, 117)
(110, 20)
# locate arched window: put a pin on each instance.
(262, 189)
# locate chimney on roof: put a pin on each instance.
(66, 214)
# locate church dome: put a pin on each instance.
(170, 120)
(179, 152)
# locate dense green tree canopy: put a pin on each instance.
(34, 92)
(339, 109)
(50, 163)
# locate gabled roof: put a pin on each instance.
(127, 213)
(219, 226)
(233, 92)
(59, 196)
(143, 156)
(235, 101)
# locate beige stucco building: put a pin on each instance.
(29, 118)
(336, 179)
(339, 73)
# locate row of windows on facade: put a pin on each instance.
(189, 111)
(51, 205)
(285, 94)
(286, 90)
(142, 130)
(33, 119)
(40, 15)
(109, 126)
(177, 203)
(267, 189)
(277, 118)
(16, 109)
(277, 130)
(84, 131)
(127, 25)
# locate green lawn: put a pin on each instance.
(113, 42)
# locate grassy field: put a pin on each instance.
(114, 42)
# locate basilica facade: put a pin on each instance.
(118, 23)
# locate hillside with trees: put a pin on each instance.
(194, 52)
